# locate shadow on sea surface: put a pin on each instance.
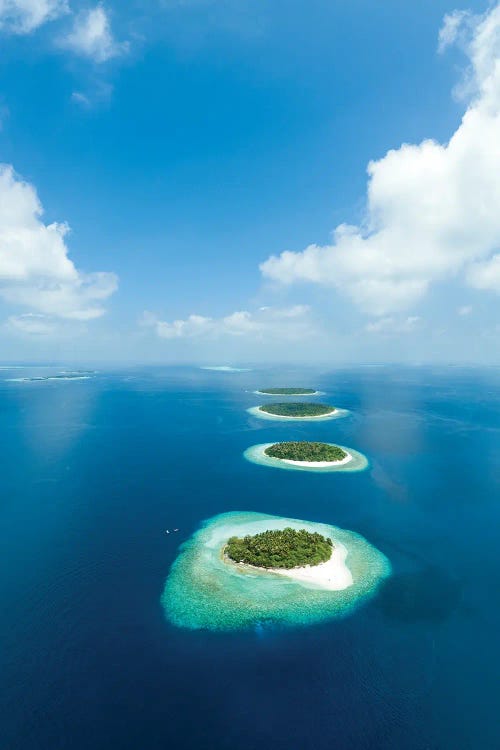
(395, 489)
(426, 595)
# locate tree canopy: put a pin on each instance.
(304, 450)
(285, 548)
(296, 409)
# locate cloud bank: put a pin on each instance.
(35, 270)
(432, 209)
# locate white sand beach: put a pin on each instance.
(317, 464)
(333, 575)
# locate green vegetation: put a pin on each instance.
(293, 409)
(286, 548)
(288, 391)
(306, 451)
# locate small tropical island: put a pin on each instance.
(304, 451)
(288, 391)
(280, 548)
(304, 455)
(298, 410)
(244, 571)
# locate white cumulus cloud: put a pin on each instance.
(292, 322)
(35, 270)
(432, 209)
(92, 37)
(24, 16)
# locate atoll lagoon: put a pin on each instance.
(205, 590)
(354, 461)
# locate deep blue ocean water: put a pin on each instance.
(93, 471)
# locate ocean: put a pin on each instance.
(96, 467)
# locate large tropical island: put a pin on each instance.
(298, 410)
(280, 548)
(305, 451)
(288, 391)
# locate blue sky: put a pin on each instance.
(188, 144)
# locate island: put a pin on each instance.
(288, 391)
(83, 375)
(306, 455)
(225, 368)
(245, 570)
(304, 451)
(298, 410)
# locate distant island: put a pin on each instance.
(280, 548)
(307, 452)
(225, 368)
(288, 391)
(297, 409)
(79, 375)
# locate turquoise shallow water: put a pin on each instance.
(203, 591)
